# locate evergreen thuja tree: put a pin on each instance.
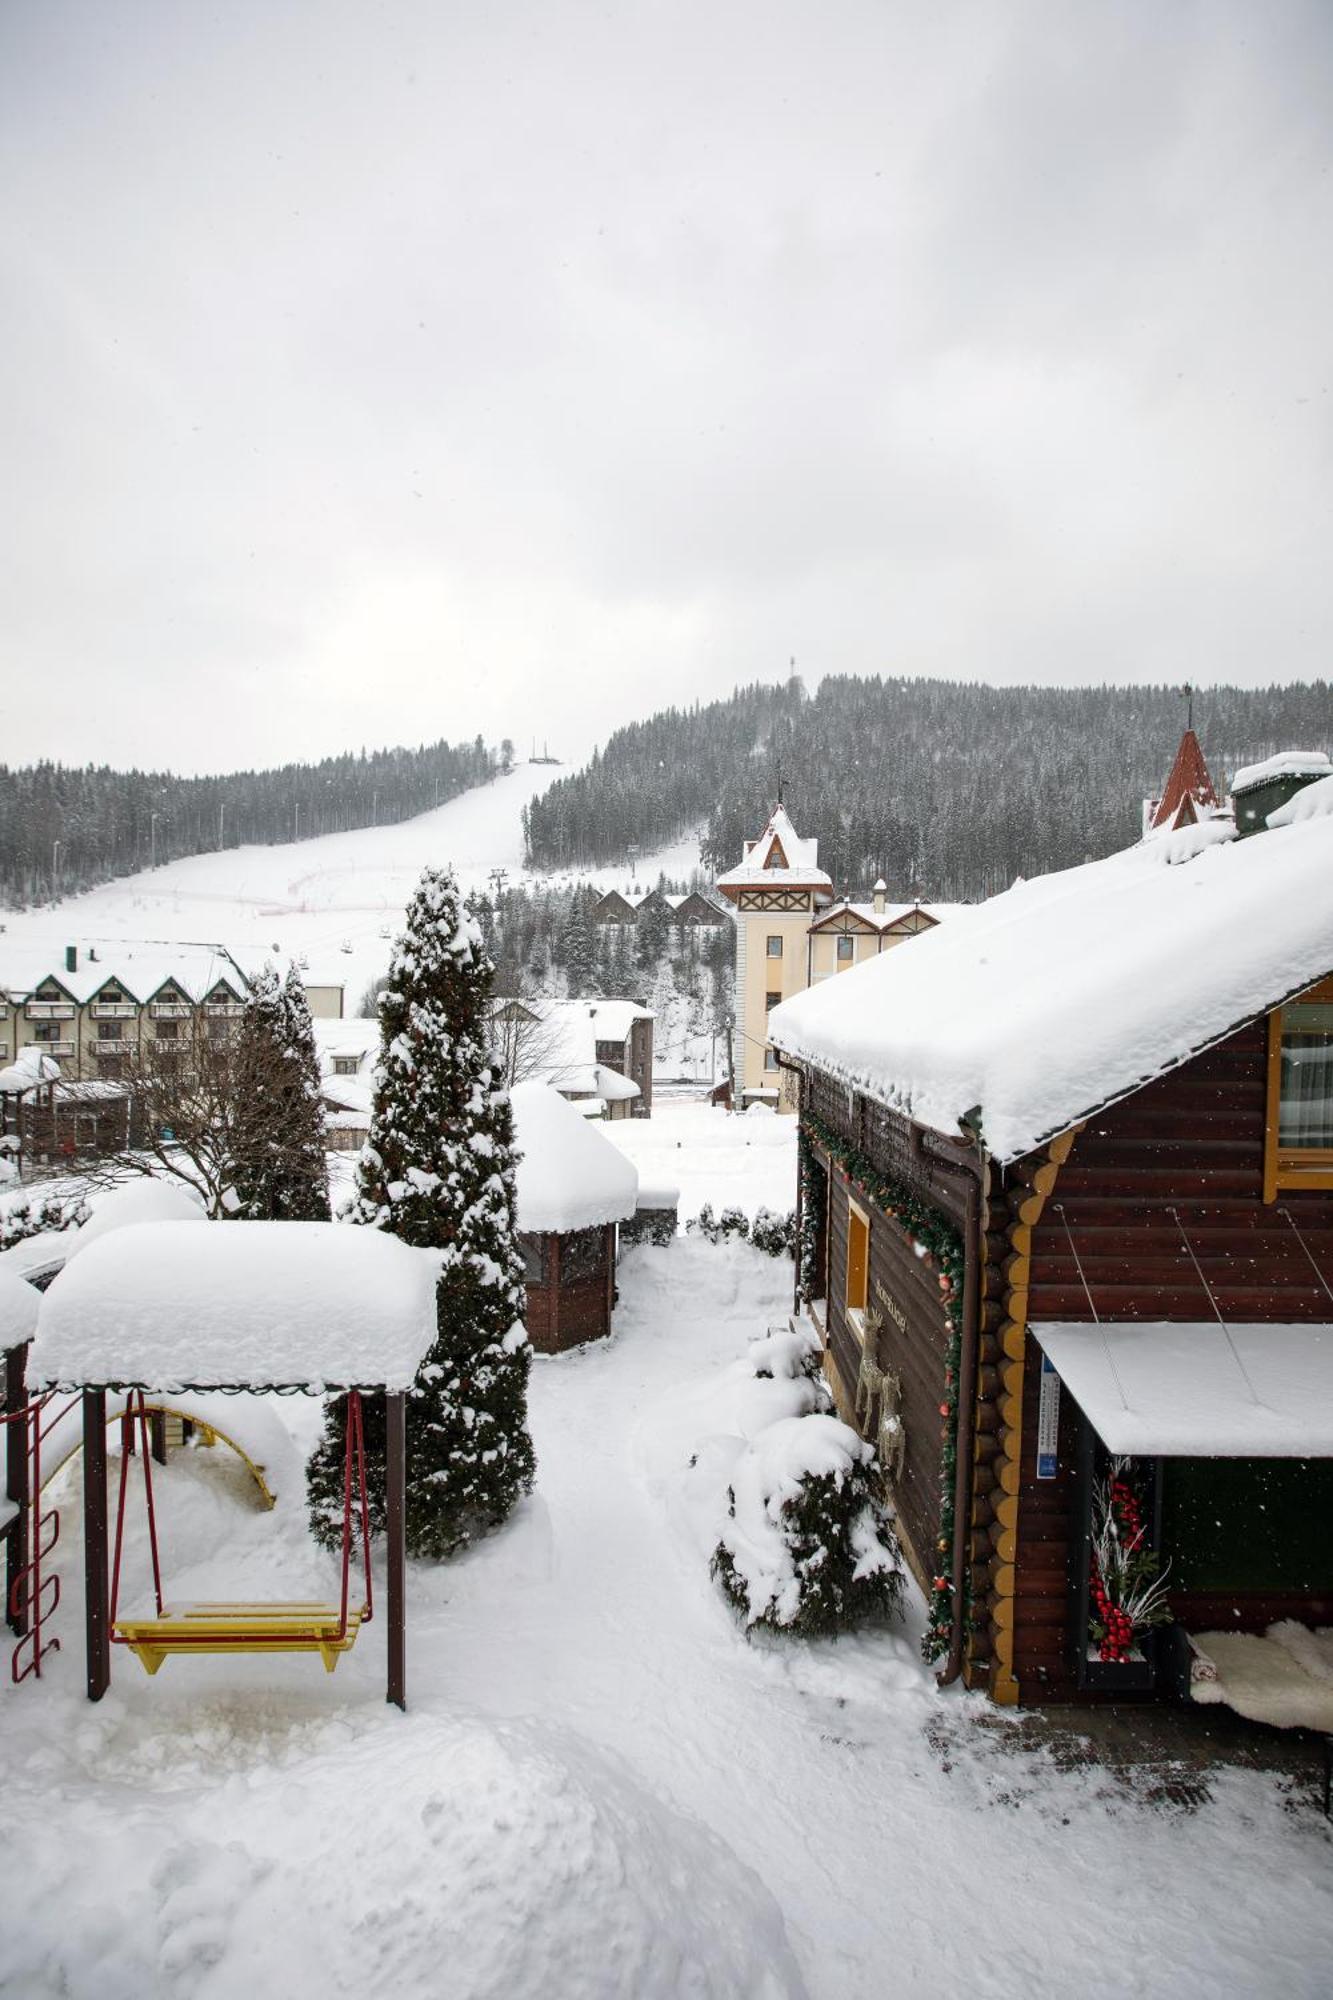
(439, 1173)
(279, 1165)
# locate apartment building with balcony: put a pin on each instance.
(95, 1007)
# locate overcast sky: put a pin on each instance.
(371, 373)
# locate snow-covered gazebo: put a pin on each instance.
(574, 1186)
(247, 1306)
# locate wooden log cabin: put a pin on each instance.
(1067, 1231)
(574, 1187)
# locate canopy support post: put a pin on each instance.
(396, 1425)
(96, 1583)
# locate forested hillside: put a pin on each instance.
(64, 829)
(946, 789)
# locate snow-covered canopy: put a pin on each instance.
(569, 1176)
(1200, 1390)
(254, 1305)
(19, 1305)
(1060, 996)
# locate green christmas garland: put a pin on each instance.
(814, 1189)
(944, 1248)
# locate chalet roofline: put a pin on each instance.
(973, 1123)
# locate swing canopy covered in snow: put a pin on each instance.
(239, 1305)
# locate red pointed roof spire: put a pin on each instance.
(1189, 779)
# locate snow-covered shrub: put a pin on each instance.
(648, 1225)
(39, 1218)
(717, 1228)
(774, 1234)
(787, 1353)
(807, 1546)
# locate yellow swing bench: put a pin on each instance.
(296, 1626)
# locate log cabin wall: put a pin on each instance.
(1185, 1152)
(904, 1291)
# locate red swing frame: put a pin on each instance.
(354, 1453)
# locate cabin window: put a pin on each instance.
(1298, 1148)
(345, 1065)
(770, 1059)
(846, 950)
(109, 1031)
(534, 1258)
(771, 1000)
(582, 1256)
(774, 947)
(168, 1031)
(857, 1291)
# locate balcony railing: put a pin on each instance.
(110, 1045)
(224, 1010)
(49, 1010)
(170, 1010)
(113, 1010)
(57, 1049)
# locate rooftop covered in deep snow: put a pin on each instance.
(251, 1305)
(1046, 1003)
(569, 1176)
(779, 857)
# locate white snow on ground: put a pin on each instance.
(602, 1790)
(747, 1160)
(313, 898)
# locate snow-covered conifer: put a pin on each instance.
(279, 1165)
(439, 1173)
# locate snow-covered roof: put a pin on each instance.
(19, 1306)
(1072, 990)
(353, 1036)
(612, 1087)
(1188, 787)
(125, 1207)
(142, 968)
(778, 856)
(569, 1176)
(612, 1020)
(885, 919)
(29, 1068)
(253, 1305)
(1200, 1390)
(1286, 764)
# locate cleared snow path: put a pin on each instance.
(602, 1789)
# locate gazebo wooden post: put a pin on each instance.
(16, 1486)
(96, 1582)
(396, 1424)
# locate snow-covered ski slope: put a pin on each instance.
(336, 900)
